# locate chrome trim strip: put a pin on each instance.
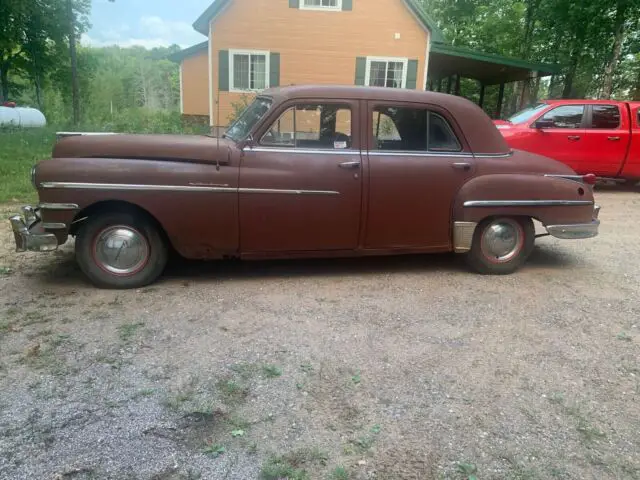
(527, 203)
(288, 192)
(57, 206)
(54, 226)
(574, 231)
(303, 151)
(127, 186)
(391, 153)
(494, 155)
(176, 188)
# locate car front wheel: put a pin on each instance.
(501, 245)
(121, 250)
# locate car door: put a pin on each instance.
(301, 180)
(607, 139)
(565, 140)
(418, 160)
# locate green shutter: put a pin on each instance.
(274, 70)
(223, 70)
(412, 74)
(347, 4)
(361, 70)
(294, 3)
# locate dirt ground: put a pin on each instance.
(381, 368)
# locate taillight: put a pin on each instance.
(589, 179)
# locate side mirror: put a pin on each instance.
(541, 124)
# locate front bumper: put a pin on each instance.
(29, 232)
(577, 230)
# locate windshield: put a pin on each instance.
(240, 129)
(527, 113)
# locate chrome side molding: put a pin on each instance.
(527, 203)
(58, 206)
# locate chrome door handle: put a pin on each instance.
(574, 138)
(349, 165)
(613, 139)
(461, 166)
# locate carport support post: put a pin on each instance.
(481, 102)
(449, 84)
(457, 87)
(500, 100)
(439, 85)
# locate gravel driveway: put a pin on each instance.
(385, 368)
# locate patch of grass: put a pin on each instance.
(624, 336)
(271, 371)
(5, 270)
(589, 432)
(44, 358)
(145, 392)
(214, 450)
(21, 149)
(306, 368)
(128, 330)
(469, 470)
(293, 466)
(232, 392)
(34, 317)
(339, 473)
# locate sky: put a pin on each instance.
(148, 23)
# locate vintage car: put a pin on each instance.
(305, 171)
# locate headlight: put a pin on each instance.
(33, 176)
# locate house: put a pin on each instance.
(256, 44)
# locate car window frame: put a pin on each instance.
(279, 110)
(583, 122)
(436, 109)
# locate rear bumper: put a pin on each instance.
(576, 230)
(29, 232)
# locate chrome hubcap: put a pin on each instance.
(121, 250)
(501, 240)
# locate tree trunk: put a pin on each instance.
(535, 91)
(568, 80)
(4, 81)
(75, 90)
(636, 90)
(609, 70)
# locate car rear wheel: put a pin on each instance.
(121, 250)
(501, 245)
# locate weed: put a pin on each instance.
(277, 468)
(145, 392)
(128, 330)
(376, 429)
(214, 450)
(469, 470)
(339, 473)
(34, 317)
(232, 392)
(356, 378)
(306, 367)
(271, 371)
(5, 270)
(624, 336)
(237, 433)
(589, 432)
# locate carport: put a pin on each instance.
(448, 64)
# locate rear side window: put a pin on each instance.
(412, 129)
(567, 116)
(605, 116)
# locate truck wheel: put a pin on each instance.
(501, 245)
(120, 250)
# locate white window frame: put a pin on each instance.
(337, 8)
(233, 53)
(405, 66)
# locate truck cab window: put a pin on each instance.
(605, 116)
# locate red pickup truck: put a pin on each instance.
(590, 136)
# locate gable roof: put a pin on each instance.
(189, 52)
(202, 23)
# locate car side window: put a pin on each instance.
(312, 126)
(605, 116)
(567, 116)
(412, 129)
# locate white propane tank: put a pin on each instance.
(21, 117)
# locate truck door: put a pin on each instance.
(607, 139)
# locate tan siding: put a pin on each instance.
(195, 87)
(317, 47)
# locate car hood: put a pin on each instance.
(185, 148)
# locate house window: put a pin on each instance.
(386, 72)
(248, 70)
(321, 4)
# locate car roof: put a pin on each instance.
(477, 127)
(576, 101)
